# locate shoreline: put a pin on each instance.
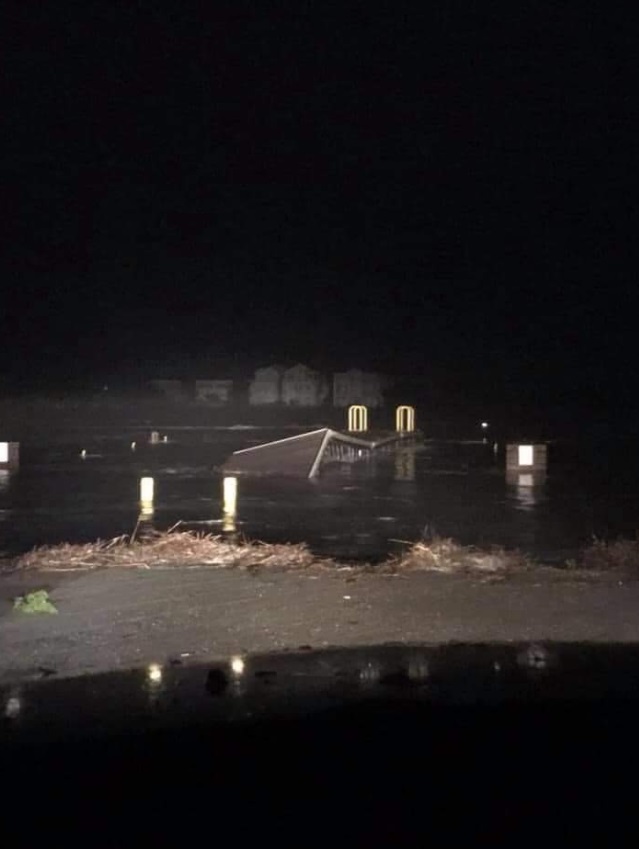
(127, 614)
(187, 549)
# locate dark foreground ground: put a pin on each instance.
(115, 619)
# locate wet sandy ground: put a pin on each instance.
(119, 619)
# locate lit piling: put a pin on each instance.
(147, 495)
(9, 456)
(526, 464)
(405, 419)
(229, 504)
(357, 418)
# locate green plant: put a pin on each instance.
(35, 602)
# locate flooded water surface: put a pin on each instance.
(85, 486)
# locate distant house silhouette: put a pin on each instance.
(216, 392)
(303, 387)
(266, 386)
(172, 390)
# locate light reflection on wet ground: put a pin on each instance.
(306, 682)
(358, 511)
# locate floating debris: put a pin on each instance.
(446, 555)
(171, 549)
(190, 549)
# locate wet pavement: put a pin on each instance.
(120, 619)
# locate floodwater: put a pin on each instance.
(362, 511)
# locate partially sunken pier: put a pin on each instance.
(306, 454)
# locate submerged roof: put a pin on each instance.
(300, 456)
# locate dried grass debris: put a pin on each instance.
(170, 549)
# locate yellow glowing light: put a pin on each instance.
(237, 665)
(229, 504)
(147, 488)
(357, 418)
(229, 496)
(405, 419)
(147, 491)
(154, 673)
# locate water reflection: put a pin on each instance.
(405, 466)
(13, 705)
(154, 674)
(527, 489)
(237, 665)
(144, 527)
(370, 672)
(154, 684)
(5, 480)
(418, 669)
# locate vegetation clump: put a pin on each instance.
(35, 602)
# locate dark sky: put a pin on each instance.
(443, 190)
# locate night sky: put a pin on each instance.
(444, 191)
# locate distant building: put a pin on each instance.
(303, 387)
(358, 387)
(173, 390)
(216, 392)
(265, 386)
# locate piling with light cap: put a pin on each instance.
(147, 494)
(526, 463)
(357, 418)
(9, 456)
(229, 504)
(405, 419)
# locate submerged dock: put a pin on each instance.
(306, 454)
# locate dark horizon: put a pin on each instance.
(445, 194)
